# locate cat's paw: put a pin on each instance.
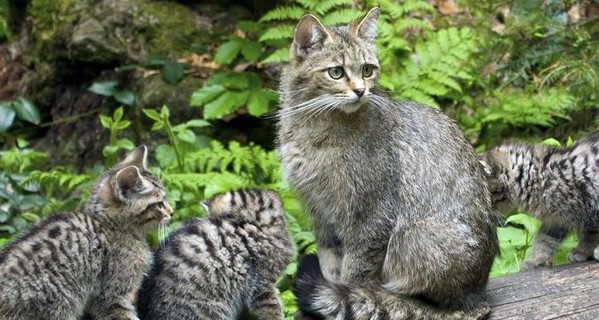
(536, 263)
(577, 255)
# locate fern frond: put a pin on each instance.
(326, 5)
(283, 13)
(277, 33)
(342, 16)
(279, 55)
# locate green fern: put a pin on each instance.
(436, 67)
(58, 180)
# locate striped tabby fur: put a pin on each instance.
(214, 267)
(89, 260)
(397, 194)
(560, 186)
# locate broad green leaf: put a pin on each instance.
(552, 142)
(227, 52)
(125, 144)
(165, 155)
(125, 97)
(31, 217)
(172, 72)
(7, 116)
(531, 224)
(187, 135)
(109, 150)
(27, 111)
(257, 103)
(205, 95)
(224, 104)
(104, 88)
(251, 50)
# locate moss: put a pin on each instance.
(175, 29)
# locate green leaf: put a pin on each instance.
(227, 52)
(118, 114)
(531, 224)
(257, 103)
(26, 111)
(205, 95)
(223, 105)
(7, 116)
(172, 72)
(197, 123)
(31, 217)
(125, 97)
(106, 121)
(187, 135)
(152, 114)
(165, 155)
(123, 124)
(125, 144)
(251, 50)
(104, 88)
(552, 142)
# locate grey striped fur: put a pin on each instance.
(322, 299)
(560, 186)
(90, 260)
(215, 267)
(396, 192)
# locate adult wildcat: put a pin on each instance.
(396, 192)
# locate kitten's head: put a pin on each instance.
(263, 206)
(495, 164)
(332, 68)
(131, 195)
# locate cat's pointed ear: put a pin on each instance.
(487, 170)
(366, 27)
(137, 157)
(309, 36)
(128, 180)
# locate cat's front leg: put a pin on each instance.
(545, 244)
(361, 263)
(330, 253)
(267, 305)
(588, 239)
(112, 308)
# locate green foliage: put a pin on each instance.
(15, 115)
(109, 89)
(4, 33)
(115, 124)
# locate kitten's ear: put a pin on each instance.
(366, 28)
(487, 170)
(136, 158)
(309, 36)
(128, 180)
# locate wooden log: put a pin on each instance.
(565, 292)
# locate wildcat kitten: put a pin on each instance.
(213, 267)
(346, 301)
(88, 260)
(396, 192)
(560, 186)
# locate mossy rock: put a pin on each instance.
(111, 31)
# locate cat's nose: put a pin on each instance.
(359, 91)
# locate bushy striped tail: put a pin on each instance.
(319, 299)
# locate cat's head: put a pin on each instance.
(495, 164)
(260, 205)
(333, 67)
(131, 195)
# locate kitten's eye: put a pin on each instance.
(336, 72)
(367, 70)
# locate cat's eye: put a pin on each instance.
(336, 72)
(367, 70)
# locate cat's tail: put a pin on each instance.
(319, 299)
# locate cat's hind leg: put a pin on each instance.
(546, 242)
(588, 239)
(266, 305)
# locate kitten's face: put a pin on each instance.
(335, 67)
(132, 195)
(252, 204)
